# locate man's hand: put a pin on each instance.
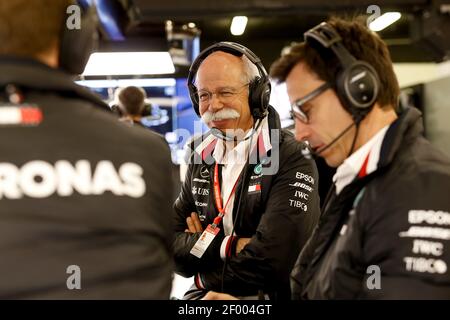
(241, 243)
(194, 226)
(211, 295)
(193, 223)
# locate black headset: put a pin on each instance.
(76, 45)
(357, 83)
(259, 88)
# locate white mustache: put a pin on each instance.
(223, 114)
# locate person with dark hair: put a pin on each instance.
(384, 229)
(131, 103)
(249, 200)
(83, 214)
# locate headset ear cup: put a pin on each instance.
(193, 95)
(251, 93)
(190, 80)
(258, 97)
(357, 87)
(357, 83)
(362, 85)
(265, 97)
(341, 93)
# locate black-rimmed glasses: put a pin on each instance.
(296, 107)
(225, 95)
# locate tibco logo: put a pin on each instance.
(40, 179)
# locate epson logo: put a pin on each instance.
(40, 179)
(304, 177)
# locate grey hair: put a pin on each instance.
(251, 71)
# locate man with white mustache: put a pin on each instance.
(249, 200)
(224, 114)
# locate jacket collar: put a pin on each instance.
(408, 126)
(362, 162)
(31, 74)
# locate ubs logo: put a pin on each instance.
(204, 173)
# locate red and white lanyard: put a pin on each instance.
(218, 197)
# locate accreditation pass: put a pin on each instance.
(204, 241)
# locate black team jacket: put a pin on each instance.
(277, 211)
(85, 204)
(387, 234)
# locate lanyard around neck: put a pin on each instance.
(218, 197)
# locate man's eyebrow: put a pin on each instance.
(218, 88)
(226, 87)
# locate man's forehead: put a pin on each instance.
(218, 70)
(302, 75)
(221, 55)
(301, 68)
(220, 62)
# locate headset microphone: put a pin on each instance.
(320, 150)
(218, 134)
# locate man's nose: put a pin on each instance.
(302, 131)
(214, 103)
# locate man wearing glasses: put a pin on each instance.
(249, 200)
(384, 230)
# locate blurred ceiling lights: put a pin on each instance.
(384, 21)
(238, 25)
(128, 63)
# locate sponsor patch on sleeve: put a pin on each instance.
(20, 115)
